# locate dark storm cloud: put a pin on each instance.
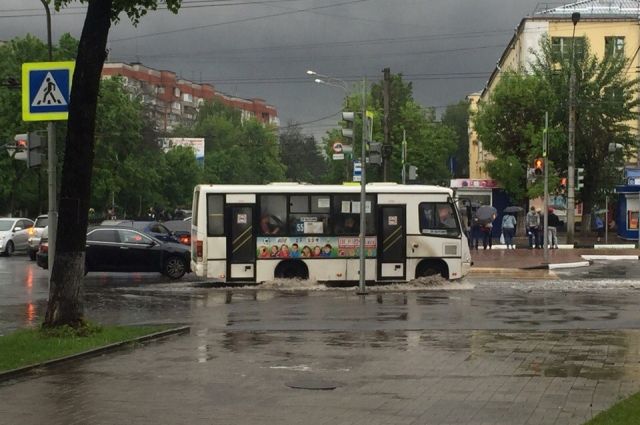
(263, 48)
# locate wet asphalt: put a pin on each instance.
(483, 351)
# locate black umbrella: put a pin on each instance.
(486, 214)
(513, 209)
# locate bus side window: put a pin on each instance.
(273, 215)
(215, 215)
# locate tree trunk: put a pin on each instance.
(65, 305)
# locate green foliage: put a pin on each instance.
(237, 152)
(336, 171)
(301, 156)
(606, 104)
(19, 185)
(510, 126)
(510, 123)
(134, 9)
(457, 118)
(182, 173)
(429, 143)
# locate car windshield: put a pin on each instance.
(6, 225)
(42, 222)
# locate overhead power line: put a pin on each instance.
(339, 43)
(237, 21)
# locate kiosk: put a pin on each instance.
(628, 205)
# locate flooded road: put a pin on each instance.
(484, 351)
(577, 299)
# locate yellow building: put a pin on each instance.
(610, 26)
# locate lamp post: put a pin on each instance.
(571, 159)
(52, 162)
(336, 82)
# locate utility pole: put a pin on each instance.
(404, 157)
(571, 160)
(52, 162)
(362, 288)
(545, 227)
(386, 151)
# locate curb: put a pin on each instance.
(569, 265)
(14, 373)
(610, 257)
(578, 246)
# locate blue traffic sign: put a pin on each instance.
(46, 90)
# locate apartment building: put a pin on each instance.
(610, 26)
(174, 100)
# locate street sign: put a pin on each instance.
(357, 171)
(337, 147)
(338, 156)
(46, 90)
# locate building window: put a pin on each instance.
(187, 97)
(176, 106)
(613, 46)
(176, 92)
(160, 90)
(561, 48)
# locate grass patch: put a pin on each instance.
(624, 412)
(30, 346)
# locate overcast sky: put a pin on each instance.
(262, 48)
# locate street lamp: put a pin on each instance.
(52, 161)
(336, 82)
(571, 160)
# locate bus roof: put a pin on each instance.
(311, 188)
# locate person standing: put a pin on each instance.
(599, 227)
(509, 229)
(533, 225)
(554, 223)
(475, 232)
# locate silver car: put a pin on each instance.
(14, 234)
(35, 233)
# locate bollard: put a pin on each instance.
(228, 296)
(379, 298)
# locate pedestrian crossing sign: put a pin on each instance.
(46, 90)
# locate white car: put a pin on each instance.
(14, 234)
(35, 233)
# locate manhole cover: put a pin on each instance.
(312, 384)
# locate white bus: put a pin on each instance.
(255, 233)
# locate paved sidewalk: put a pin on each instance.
(383, 377)
(523, 258)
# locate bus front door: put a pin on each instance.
(241, 243)
(391, 242)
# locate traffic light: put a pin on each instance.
(22, 142)
(413, 172)
(375, 153)
(30, 144)
(347, 132)
(579, 178)
(538, 166)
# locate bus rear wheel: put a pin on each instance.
(429, 268)
(291, 270)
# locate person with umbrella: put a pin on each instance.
(486, 214)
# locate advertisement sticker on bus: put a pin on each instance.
(314, 247)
